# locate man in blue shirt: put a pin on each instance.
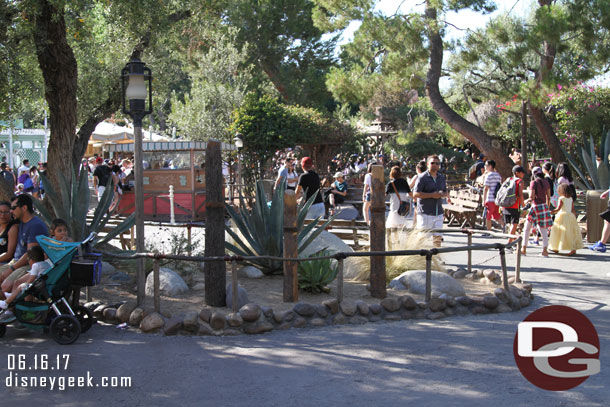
(30, 227)
(430, 190)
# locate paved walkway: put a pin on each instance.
(461, 361)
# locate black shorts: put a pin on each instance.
(606, 214)
(511, 215)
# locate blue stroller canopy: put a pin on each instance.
(55, 249)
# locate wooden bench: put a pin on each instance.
(465, 209)
(354, 230)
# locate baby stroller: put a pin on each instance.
(74, 266)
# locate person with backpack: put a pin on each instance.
(492, 183)
(539, 214)
(510, 198)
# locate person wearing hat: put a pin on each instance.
(7, 175)
(337, 192)
(309, 184)
(539, 214)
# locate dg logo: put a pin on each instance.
(556, 348)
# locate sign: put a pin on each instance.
(556, 348)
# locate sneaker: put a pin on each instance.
(598, 247)
(6, 317)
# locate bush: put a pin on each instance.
(315, 275)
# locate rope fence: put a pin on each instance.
(341, 256)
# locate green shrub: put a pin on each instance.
(315, 275)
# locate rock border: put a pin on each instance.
(255, 319)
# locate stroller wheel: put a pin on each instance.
(2, 330)
(85, 317)
(65, 329)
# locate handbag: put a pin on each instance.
(405, 207)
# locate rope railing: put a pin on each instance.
(341, 256)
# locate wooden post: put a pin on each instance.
(234, 286)
(428, 276)
(340, 281)
(215, 272)
(291, 250)
(504, 272)
(378, 273)
(189, 236)
(157, 291)
(518, 264)
(469, 252)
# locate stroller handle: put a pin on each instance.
(89, 238)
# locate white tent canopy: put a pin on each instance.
(108, 132)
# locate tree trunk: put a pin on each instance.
(60, 74)
(547, 60)
(471, 132)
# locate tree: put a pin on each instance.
(286, 46)
(219, 85)
(102, 36)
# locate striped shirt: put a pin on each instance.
(491, 180)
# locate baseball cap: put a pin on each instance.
(536, 170)
(338, 174)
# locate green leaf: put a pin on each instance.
(120, 228)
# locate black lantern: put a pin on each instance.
(136, 81)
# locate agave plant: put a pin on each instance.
(261, 229)
(316, 275)
(74, 206)
(592, 176)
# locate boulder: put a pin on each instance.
(375, 309)
(258, 328)
(490, 302)
(321, 310)
(415, 281)
(206, 314)
(250, 312)
(190, 322)
(332, 243)
(348, 308)
(346, 212)
(299, 322)
(119, 277)
(109, 314)
(136, 317)
(217, 321)
(198, 286)
(390, 304)
(250, 272)
(339, 319)
(332, 305)
(437, 304)
(358, 320)
(124, 311)
(205, 329)
(363, 307)
(304, 309)
(152, 322)
(170, 283)
(490, 274)
(436, 315)
(173, 325)
(460, 273)
(317, 322)
(242, 296)
(234, 319)
(408, 302)
(107, 268)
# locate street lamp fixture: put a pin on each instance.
(136, 84)
(239, 144)
(239, 141)
(509, 121)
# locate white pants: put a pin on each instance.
(428, 222)
(100, 192)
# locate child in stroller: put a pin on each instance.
(51, 288)
(37, 266)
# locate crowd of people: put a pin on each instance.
(545, 208)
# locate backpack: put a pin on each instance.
(507, 194)
(472, 171)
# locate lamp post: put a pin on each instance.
(239, 143)
(136, 80)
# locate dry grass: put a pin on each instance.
(396, 265)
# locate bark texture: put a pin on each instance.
(471, 132)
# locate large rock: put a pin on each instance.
(250, 272)
(152, 322)
(107, 268)
(304, 309)
(124, 311)
(250, 312)
(332, 243)
(170, 283)
(136, 317)
(346, 212)
(190, 322)
(173, 325)
(242, 296)
(217, 320)
(415, 281)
